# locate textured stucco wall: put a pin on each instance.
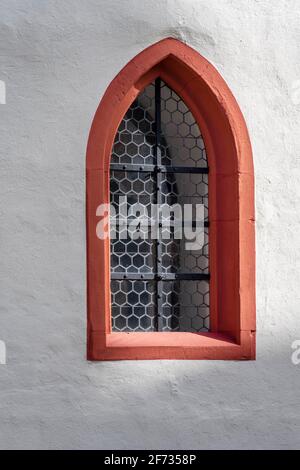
(57, 58)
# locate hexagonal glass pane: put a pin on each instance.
(177, 258)
(133, 305)
(185, 188)
(185, 306)
(132, 256)
(135, 138)
(182, 142)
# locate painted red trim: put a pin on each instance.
(231, 211)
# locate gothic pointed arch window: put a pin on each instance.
(169, 134)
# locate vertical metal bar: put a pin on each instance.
(158, 201)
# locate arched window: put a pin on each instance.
(168, 133)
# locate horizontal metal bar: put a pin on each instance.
(160, 276)
(132, 167)
(152, 133)
(182, 138)
(158, 168)
(148, 222)
(184, 169)
(138, 132)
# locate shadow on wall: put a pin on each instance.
(206, 404)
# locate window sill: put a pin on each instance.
(173, 345)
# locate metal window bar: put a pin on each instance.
(158, 168)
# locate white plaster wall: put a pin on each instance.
(57, 58)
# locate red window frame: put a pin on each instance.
(231, 211)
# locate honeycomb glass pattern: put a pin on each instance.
(185, 306)
(133, 305)
(182, 142)
(135, 139)
(132, 248)
(185, 188)
(177, 259)
(137, 187)
(159, 157)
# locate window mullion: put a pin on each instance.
(158, 202)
